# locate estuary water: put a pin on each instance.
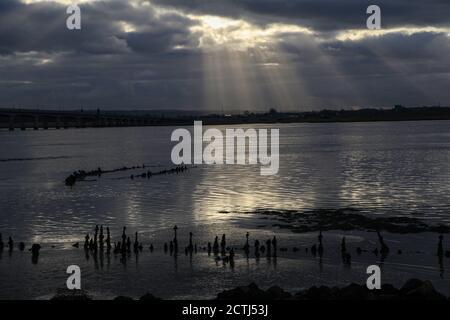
(380, 168)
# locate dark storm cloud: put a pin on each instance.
(159, 64)
(43, 63)
(41, 27)
(323, 14)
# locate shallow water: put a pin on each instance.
(396, 168)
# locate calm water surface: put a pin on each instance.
(398, 168)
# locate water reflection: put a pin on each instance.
(380, 168)
(377, 167)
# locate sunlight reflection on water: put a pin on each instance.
(379, 168)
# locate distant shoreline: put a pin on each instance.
(21, 119)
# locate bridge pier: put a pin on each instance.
(45, 119)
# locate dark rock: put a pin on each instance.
(389, 289)
(149, 296)
(411, 284)
(317, 293)
(71, 295)
(387, 292)
(123, 298)
(347, 219)
(277, 293)
(415, 289)
(250, 292)
(353, 292)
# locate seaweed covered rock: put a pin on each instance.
(278, 293)
(250, 292)
(347, 219)
(413, 289)
(123, 298)
(420, 290)
(71, 295)
(149, 297)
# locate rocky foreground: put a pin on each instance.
(347, 219)
(413, 289)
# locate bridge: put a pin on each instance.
(23, 119)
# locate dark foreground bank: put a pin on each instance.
(413, 289)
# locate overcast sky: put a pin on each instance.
(292, 55)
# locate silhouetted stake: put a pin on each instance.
(96, 238)
(320, 248)
(384, 248)
(190, 248)
(216, 246)
(440, 249)
(21, 246)
(274, 245)
(257, 248)
(86, 242)
(124, 239)
(136, 243)
(223, 244)
(117, 247)
(35, 248)
(1, 243)
(128, 245)
(440, 254)
(10, 244)
(268, 246)
(343, 245)
(247, 245)
(108, 240)
(347, 258)
(175, 240)
(101, 238)
(314, 250)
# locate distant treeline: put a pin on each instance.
(398, 113)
